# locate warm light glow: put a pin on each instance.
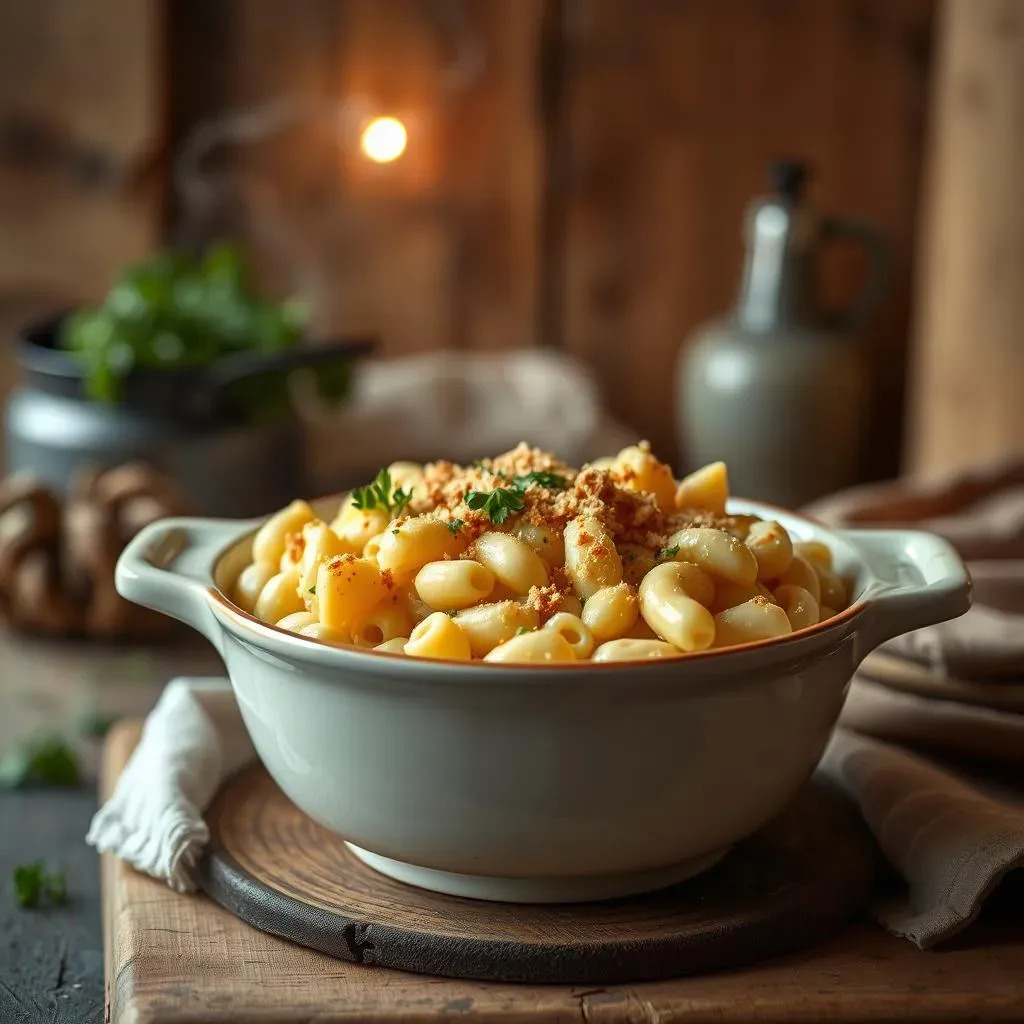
(384, 139)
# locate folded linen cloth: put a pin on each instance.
(192, 741)
(952, 842)
(982, 515)
(952, 837)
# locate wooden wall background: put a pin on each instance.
(81, 146)
(585, 191)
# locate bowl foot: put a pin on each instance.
(538, 890)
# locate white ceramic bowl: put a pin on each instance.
(543, 784)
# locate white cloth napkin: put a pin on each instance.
(192, 741)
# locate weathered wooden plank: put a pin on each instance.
(969, 356)
(433, 250)
(80, 140)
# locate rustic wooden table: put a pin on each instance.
(51, 962)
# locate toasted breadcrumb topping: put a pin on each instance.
(546, 600)
(295, 545)
(629, 516)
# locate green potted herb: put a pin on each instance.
(185, 364)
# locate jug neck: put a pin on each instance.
(779, 281)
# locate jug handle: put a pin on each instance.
(872, 292)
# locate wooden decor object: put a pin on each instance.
(174, 959)
(968, 363)
(798, 880)
(57, 557)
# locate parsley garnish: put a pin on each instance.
(34, 885)
(541, 479)
(312, 589)
(498, 504)
(503, 501)
(379, 494)
(525, 629)
(42, 761)
(666, 553)
(395, 531)
(454, 526)
(95, 724)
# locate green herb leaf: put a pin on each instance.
(666, 553)
(454, 526)
(379, 494)
(34, 885)
(396, 532)
(172, 311)
(28, 884)
(541, 479)
(95, 724)
(42, 760)
(56, 885)
(312, 590)
(479, 464)
(498, 504)
(399, 500)
(375, 494)
(525, 629)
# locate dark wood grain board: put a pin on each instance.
(799, 879)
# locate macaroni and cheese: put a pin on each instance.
(521, 558)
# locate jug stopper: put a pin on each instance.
(789, 178)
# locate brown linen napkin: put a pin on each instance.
(937, 727)
(951, 836)
(904, 676)
(982, 516)
(951, 842)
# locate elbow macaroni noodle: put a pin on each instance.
(521, 559)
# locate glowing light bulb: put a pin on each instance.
(384, 139)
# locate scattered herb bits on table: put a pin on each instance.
(34, 886)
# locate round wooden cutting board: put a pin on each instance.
(797, 880)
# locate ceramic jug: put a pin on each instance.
(776, 389)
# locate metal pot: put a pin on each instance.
(178, 420)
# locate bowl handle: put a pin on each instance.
(168, 566)
(921, 580)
